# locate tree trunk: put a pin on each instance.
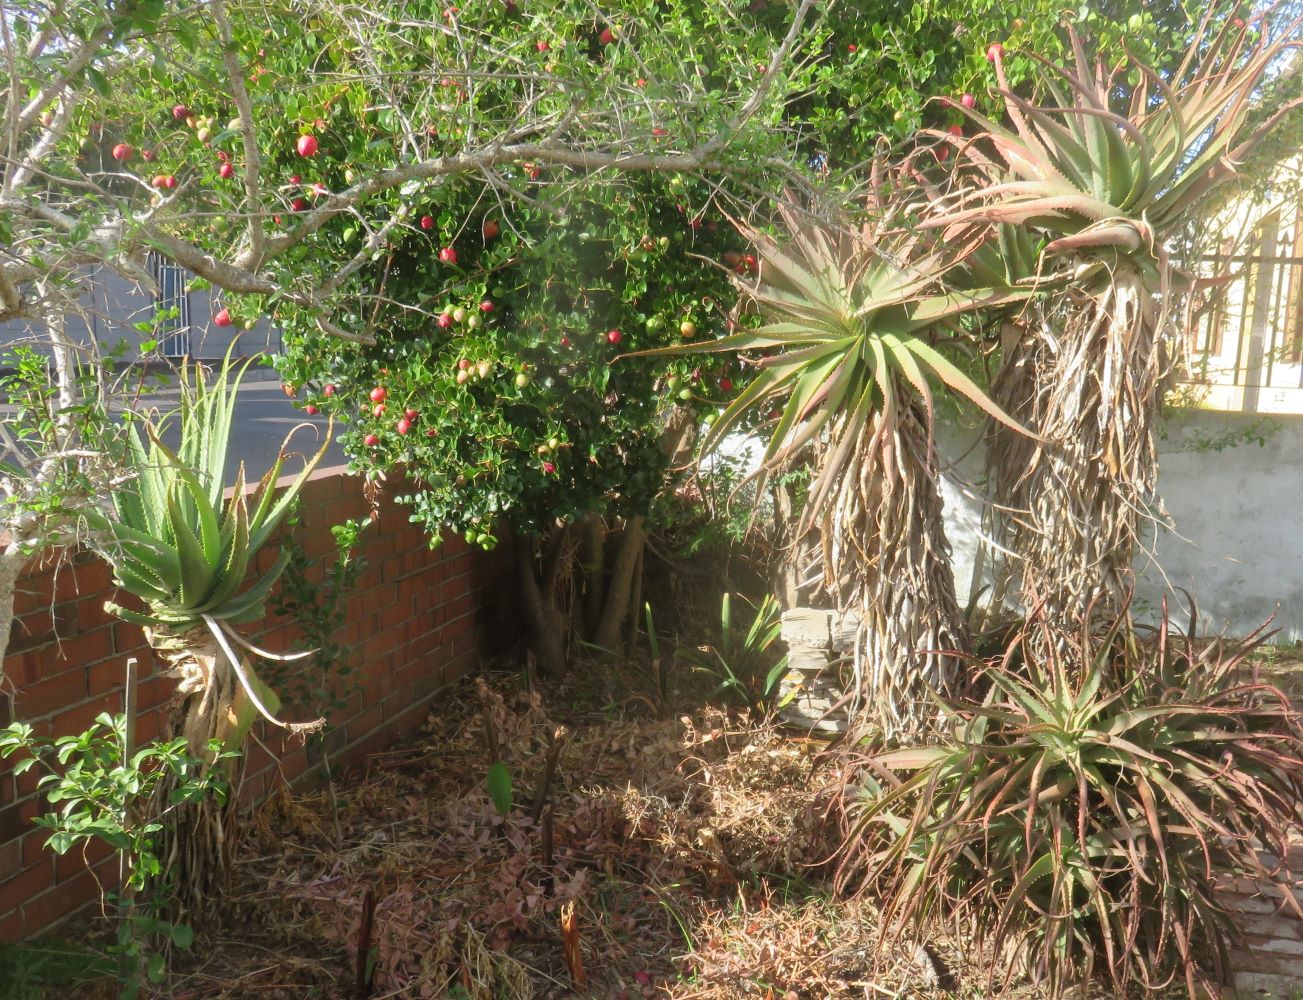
(912, 634)
(1087, 378)
(12, 561)
(196, 837)
(592, 561)
(544, 620)
(619, 585)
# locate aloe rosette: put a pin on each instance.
(185, 551)
(1101, 170)
(848, 351)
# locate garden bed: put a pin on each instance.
(688, 849)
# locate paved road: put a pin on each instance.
(263, 416)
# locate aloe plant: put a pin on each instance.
(848, 353)
(184, 551)
(1102, 169)
(1082, 812)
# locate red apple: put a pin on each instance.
(994, 51)
(726, 385)
(614, 336)
(159, 181)
(463, 364)
(403, 426)
(410, 414)
(955, 129)
(607, 37)
(968, 100)
(222, 318)
(378, 410)
(122, 151)
(431, 433)
(147, 155)
(226, 171)
(298, 205)
(427, 222)
(640, 82)
(370, 440)
(444, 320)
(223, 156)
(852, 48)
(448, 255)
(319, 190)
(311, 410)
(549, 468)
(295, 179)
(180, 112)
(486, 306)
(490, 229)
(378, 394)
(169, 182)
(329, 389)
(542, 46)
(565, 341)
(307, 145)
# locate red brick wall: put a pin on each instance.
(416, 620)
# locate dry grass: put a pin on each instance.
(689, 846)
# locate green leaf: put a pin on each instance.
(499, 783)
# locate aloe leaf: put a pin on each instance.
(962, 384)
(259, 533)
(198, 575)
(253, 598)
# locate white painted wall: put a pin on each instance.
(1233, 485)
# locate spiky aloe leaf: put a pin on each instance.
(268, 513)
(198, 575)
(251, 600)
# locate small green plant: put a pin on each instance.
(500, 787)
(742, 658)
(1084, 809)
(99, 792)
(320, 611)
(29, 970)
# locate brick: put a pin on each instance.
(89, 646)
(16, 820)
(49, 695)
(12, 927)
(11, 857)
(24, 667)
(34, 849)
(78, 893)
(79, 718)
(26, 884)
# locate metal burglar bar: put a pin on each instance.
(1245, 343)
(174, 331)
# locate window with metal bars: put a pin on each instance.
(172, 303)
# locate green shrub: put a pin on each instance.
(1082, 812)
